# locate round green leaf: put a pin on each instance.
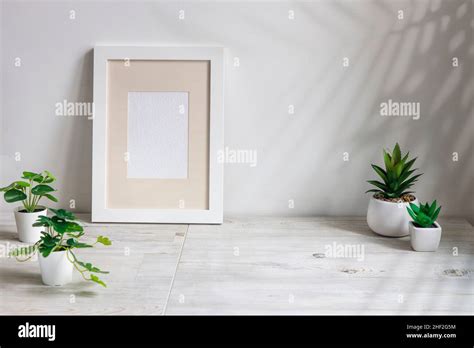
(14, 195)
(21, 184)
(51, 197)
(104, 240)
(48, 177)
(59, 226)
(43, 221)
(96, 279)
(63, 214)
(30, 175)
(6, 188)
(41, 190)
(39, 179)
(73, 227)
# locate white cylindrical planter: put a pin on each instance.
(24, 224)
(55, 269)
(425, 238)
(388, 219)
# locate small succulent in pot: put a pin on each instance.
(424, 215)
(29, 191)
(425, 232)
(60, 237)
(386, 214)
(397, 177)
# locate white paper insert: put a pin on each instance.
(157, 135)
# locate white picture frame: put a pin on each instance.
(100, 211)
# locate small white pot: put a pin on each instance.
(425, 238)
(388, 218)
(55, 269)
(24, 224)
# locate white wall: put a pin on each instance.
(282, 62)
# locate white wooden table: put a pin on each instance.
(254, 266)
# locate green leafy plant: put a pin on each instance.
(63, 233)
(424, 215)
(397, 176)
(30, 190)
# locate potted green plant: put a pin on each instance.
(386, 214)
(425, 232)
(57, 259)
(29, 191)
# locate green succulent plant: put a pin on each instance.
(62, 233)
(30, 190)
(424, 215)
(397, 177)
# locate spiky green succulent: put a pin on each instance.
(397, 177)
(424, 215)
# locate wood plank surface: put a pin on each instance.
(252, 266)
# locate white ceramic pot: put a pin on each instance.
(388, 218)
(55, 269)
(24, 224)
(425, 239)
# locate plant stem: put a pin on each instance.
(24, 201)
(35, 202)
(30, 208)
(74, 262)
(59, 243)
(35, 246)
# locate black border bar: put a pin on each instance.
(242, 330)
